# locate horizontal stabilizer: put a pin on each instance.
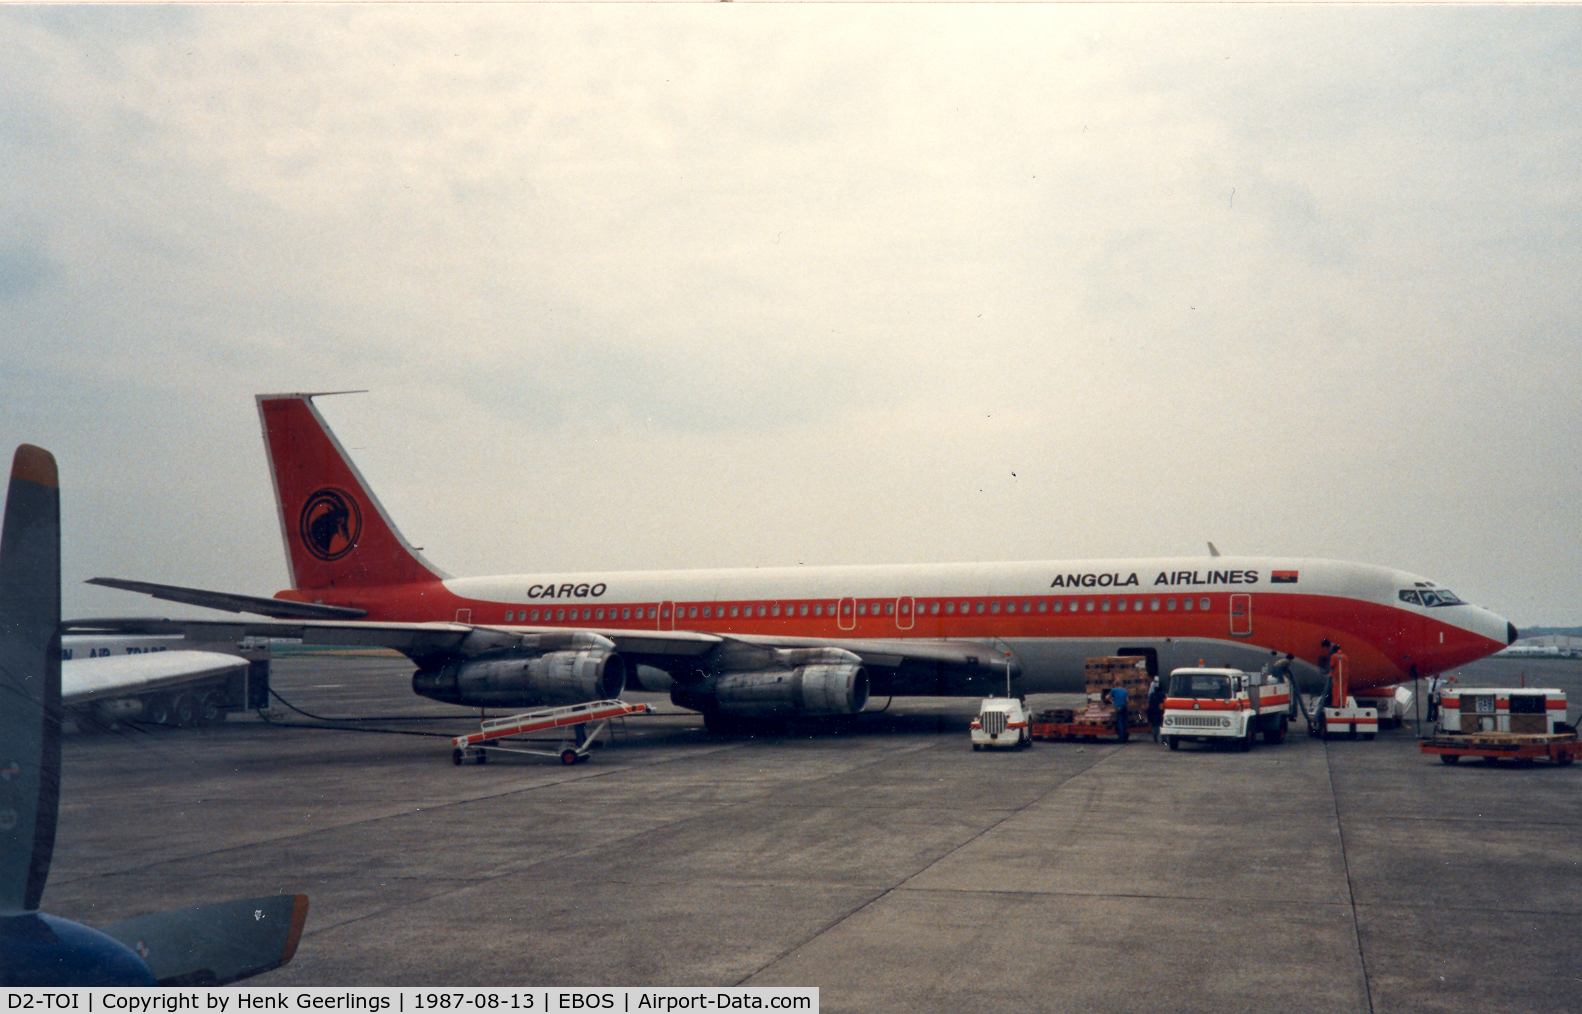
(279, 609)
(212, 945)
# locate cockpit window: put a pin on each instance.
(1200, 684)
(1430, 597)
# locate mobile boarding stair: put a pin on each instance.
(493, 733)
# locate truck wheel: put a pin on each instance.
(1174, 742)
(1277, 734)
(185, 711)
(209, 709)
(1450, 758)
(156, 710)
(1245, 743)
(483, 756)
(455, 757)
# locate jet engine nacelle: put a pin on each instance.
(808, 690)
(516, 680)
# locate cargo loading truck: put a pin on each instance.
(1226, 706)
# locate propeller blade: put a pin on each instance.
(29, 678)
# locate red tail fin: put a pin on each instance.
(336, 533)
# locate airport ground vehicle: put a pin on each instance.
(1337, 712)
(1226, 706)
(1002, 721)
(1503, 723)
(502, 734)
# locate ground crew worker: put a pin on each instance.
(1156, 708)
(1325, 652)
(1118, 698)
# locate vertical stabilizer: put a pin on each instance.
(336, 533)
(29, 678)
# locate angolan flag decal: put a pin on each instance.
(1283, 577)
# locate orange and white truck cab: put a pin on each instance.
(1226, 706)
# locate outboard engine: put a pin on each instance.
(517, 680)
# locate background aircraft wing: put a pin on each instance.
(89, 679)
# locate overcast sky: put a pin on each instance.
(651, 286)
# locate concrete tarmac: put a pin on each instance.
(887, 864)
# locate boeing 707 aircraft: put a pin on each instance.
(806, 641)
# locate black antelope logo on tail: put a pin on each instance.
(330, 523)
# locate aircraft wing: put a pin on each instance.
(421, 642)
(89, 679)
(901, 667)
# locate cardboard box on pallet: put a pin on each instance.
(1128, 672)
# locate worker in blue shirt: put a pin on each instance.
(1118, 698)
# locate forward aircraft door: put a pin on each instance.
(1241, 615)
(848, 614)
(903, 612)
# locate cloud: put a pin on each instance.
(1302, 279)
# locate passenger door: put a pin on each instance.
(1241, 615)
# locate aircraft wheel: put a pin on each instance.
(1450, 758)
(568, 756)
(1174, 742)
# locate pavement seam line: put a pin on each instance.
(1351, 892)
(901, 884)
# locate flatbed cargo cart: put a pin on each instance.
(1562, 748)
(1064, 724)
(492, 733)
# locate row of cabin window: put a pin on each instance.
(948, 607)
